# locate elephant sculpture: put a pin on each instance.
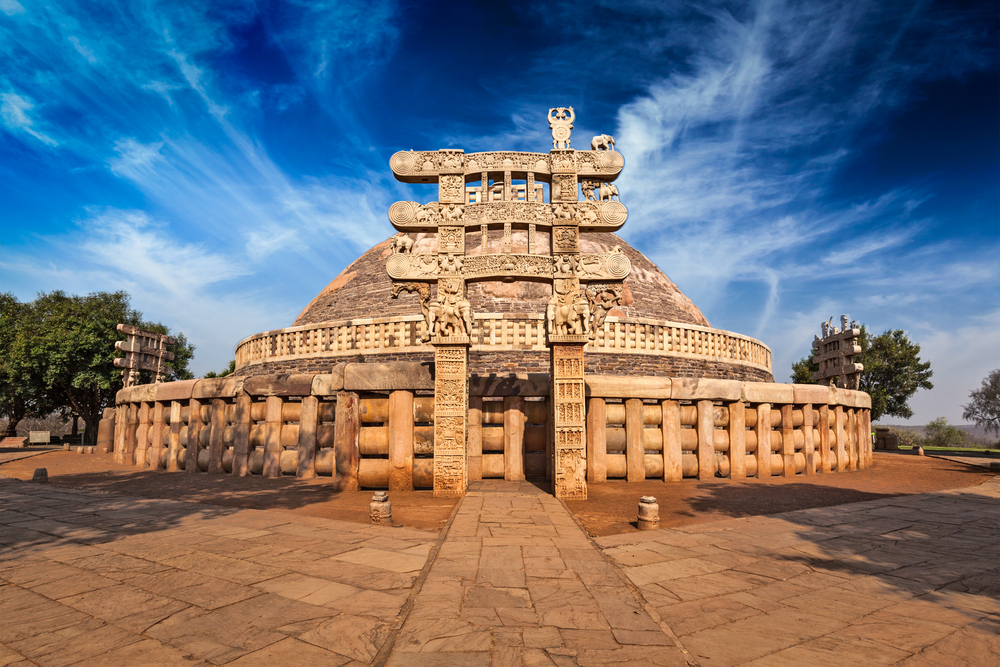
(602, 141)
(401, 243)
(608, 192)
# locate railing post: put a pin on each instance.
(635, 447)
(673, 471)
(839, 436)
(194, 436)
(737, 441)
(216, 438)
(513, 438)
(241, 435)
(808, 445)
(175, 437)
(597, 441)
(347, 431)
(272, 436)
(308, 422)
(762, 429)
(787, 441)
(475, 438)
(706, 440)
(401, 441)
(824, 438)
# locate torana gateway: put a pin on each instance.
(505, 332)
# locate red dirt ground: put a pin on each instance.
(610, 509)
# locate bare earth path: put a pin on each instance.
(91, 578)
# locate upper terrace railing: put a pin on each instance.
(496, 332)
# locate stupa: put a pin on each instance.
(504, 331)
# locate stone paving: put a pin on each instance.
(911, 580)
(517, 582)
(91, 578)
(100, 579)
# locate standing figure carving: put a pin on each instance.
(561, 123)
(601, 304)
(588, 188)
(568, 311)
(451, 314)
(605, 141)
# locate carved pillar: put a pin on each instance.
(569, 466)
(531, 238)
(506, 238)
(483, 238)
(451, 404)
(529, 194)
(508, 191)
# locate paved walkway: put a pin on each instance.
(100, 579)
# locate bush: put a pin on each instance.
(939, 433)
(907, 438)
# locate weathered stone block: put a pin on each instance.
(611, 386)
(515, 384)
(223, 387)
(702, 389)
(143, 392)
(768, 392)
(175, 391)
(327, 384)
(388, 377)
(299, 384)
(811, 393)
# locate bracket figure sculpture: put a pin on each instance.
(605, 141)
(561, 123)
(568, 311)
(834, 354)
(602, 301)
(451, 314)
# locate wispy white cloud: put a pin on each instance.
(14, 110)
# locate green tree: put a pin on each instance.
(20, 397)
(984, 409)
(893, 371)
(229, 371)
(939, 433)
(65, 349)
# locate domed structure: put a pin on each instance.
(505, 332)
(664, 332)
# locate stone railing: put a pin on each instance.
(498, 332)
(371, 425)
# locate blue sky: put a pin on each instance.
(785, 161)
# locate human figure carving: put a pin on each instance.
(451, 315)
(600, 305)
(588, 189)
(605, 141)
(608, 192)
(568, 312)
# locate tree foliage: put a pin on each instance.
(893, 371)
(20, 397)
(984, 408)
(62, 352)
(939, 433)
(229, 371)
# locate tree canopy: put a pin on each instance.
(984, 408)
(893, 371)
(939, 433)
(58, 351)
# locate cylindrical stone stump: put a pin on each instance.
(381, 509)
(649, 513)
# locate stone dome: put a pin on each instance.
(362, 290)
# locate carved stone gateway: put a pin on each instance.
(834, 354)
(499, 203)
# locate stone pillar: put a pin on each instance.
(175, 437)
(483, 238)
(597, 441)
(272, 436)
(217, 436)
(635, 446)
(529, 195)
(531, 238)
(737, 441)
(451, 405)
(308, 423)
(194, 436)
(763, 432)
(401, 441)
(141, 437)
(475, 438)
(507, 240)
(513, 438)
(569, 464)
(673, 471)
(839, 436)
(706, 440)
(787, 441)
(156, 441)
(346, 441)
(130, 432)
(808, 445)
(241, 435)
(824, 438)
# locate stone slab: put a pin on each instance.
(692, 389)
(612, 386)
(389, 376)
